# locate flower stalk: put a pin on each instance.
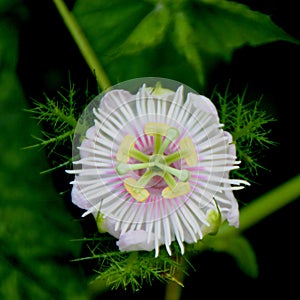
(83, 44)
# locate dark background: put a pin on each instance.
(48, 55)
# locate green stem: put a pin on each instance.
(269, 203)
(174, 287)
(46, 142)
(83, 44)
(64, 118)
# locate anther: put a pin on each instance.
(181, 188)
(157, 130)
(188, 150)
(123, 168)
(140, 194)
(153, 128)
(124, 149)
(127, 150)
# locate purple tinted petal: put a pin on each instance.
(79, 199)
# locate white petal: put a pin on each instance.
(233, 215)
(108, 225)
(202, 103)
(176, 104)
(135, 240)
(140, 101)
(113, 99)
(87, 144)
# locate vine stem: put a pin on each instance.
(83, 44)
(267, 204)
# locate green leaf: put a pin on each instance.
(242, 251)
(8, 48)
(36, 228)
(223, 26)
(108, 23)
(185, 42)
(149, 32)
(170, 38)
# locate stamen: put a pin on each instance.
(169, 179)
(127, 150)
(182, 175)
(171, 135)
(126, 145)
(180, 189)
(175, 156)
(157, 143)
(145, 178)
(123, 168)
(157, 130)
(135, 153)
(153, 128)
(187, 151)
(138, 193)
(137, 188)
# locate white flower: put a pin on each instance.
(155, 166)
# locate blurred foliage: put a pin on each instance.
(36, 228)
(59, 114)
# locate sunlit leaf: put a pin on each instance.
(185, 42)
(149, 32)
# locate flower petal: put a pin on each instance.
(135, 240)
(202, 103)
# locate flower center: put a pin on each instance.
(157, 163)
